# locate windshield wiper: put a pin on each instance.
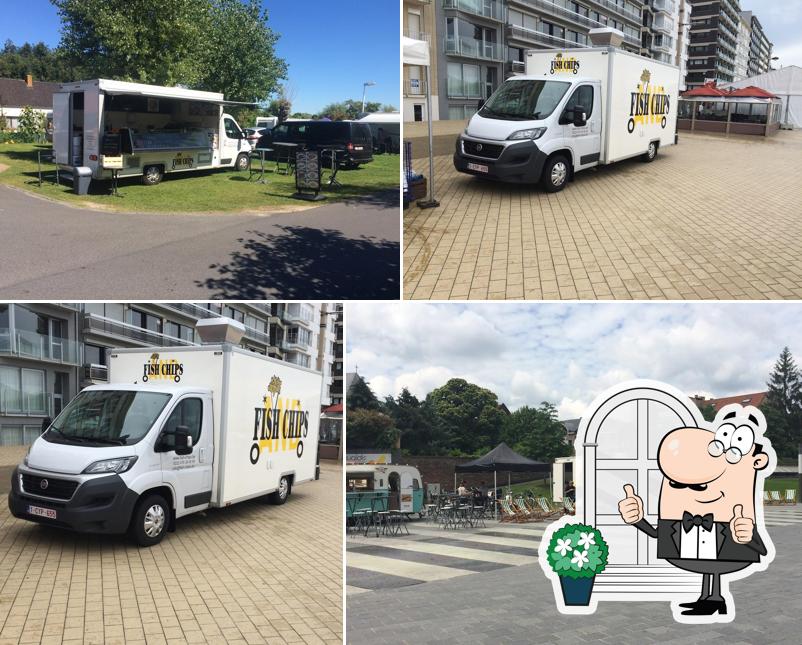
(106, 440)
(68, 437)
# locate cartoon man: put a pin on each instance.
(707, 501)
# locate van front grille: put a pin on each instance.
(55, 488)
(478, 149)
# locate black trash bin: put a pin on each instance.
(81, 177)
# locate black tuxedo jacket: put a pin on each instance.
(668, 540)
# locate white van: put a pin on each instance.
(145, 130)
(179, 430)
(574, 109)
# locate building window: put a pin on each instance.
(144, 320)
(22, 391)
(179, 331)
(299, 336)
(95, 355)
(463, 80)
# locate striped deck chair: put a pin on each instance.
(508, 514)
(790, 496)
(548, 511)
(766, 497)
(775, 497)
(522, 507)
(569, 506)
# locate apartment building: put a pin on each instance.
(419, 24)
(661, 19)
(49, 352)
(760, 47)
(714, 42)
(337, 369)
(743, 48)
(683, 40)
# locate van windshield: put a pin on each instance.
(524, 100)
(107, 417)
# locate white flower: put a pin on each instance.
(563, 546)
(586, 539)
(580, 558)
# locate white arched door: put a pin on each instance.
(619, 446)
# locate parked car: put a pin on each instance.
(352, 137)
(252, 135)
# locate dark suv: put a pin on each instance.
(354, 140)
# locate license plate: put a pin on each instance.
(477, 167)
(42, 512)
(358, 148)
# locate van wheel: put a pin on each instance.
(150, 520)
(650, 153)
(243, 162)
(152, 175)
(555, 174)
(280, 495)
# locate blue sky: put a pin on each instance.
(568, 353)
(331, 47)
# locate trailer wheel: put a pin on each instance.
(242, 163)
(280, 495)
(555, 174)
(152, 175)
(650, 153)
(150, 521)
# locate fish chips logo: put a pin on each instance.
(162, 369)
(649, 104)
(279, 424)
(561, 65)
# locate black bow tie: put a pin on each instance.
(689, 521)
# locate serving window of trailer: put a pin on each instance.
(360, 482)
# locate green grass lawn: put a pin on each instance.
(781, 483)
(540, 487)
(210, 190)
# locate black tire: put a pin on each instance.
(242, 163)
(152, 175)
(282, 494)
(651, 154)
(555, 174)
(154, 510)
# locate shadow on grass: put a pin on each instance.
(308, 263)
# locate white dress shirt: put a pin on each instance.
(698, 543)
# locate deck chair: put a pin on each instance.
(775, 497)
(508, 514)
(569, 506)
(548, 511)
(524, 510)
(766, 497)
(790, 496)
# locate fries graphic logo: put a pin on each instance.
(649, 104)
(279, 424)
(162, 369)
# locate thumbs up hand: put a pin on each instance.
(741, 527)
(631, 507)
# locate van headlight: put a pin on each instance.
(117, 465)
(531, 133)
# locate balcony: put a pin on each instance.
(530, 36)
(564, 13)
(190, 309)
(621, 11)
(295, 345)
(490, 9)
(418, 35)
(116, 329)
(464, 89)
(665, 46)
(28, 344)
(666, 6)
(471, 48)
(663, 23)
(414, 86)
(94, 372)
(22, 403)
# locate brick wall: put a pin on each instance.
(440, 470)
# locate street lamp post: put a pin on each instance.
(365, 86)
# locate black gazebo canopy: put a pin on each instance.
(502, 457)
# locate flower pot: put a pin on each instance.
(576, 591)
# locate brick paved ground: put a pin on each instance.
(711, 218)
(251, 573)
(515, 605)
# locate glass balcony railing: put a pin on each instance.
(663, 5)
(622, 11)
(28, 344)
(16, 402)
(485, 8)
(108, 326)
(417, 35)
(663, 23)
(532, 36)
(472, 48)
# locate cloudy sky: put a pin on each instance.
(782, 22)
(568, 353)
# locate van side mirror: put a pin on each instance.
(580, 117)
(183, 441)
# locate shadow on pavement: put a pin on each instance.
(308, 263)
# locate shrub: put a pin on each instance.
(577, 551)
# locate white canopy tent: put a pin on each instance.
(785, 83)
(416, 52)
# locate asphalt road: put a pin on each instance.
(337, 251)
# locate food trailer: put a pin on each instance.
(133, 129)
(377, 487)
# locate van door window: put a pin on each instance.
(189, 413)
(232, 130)
(279, 133)
(583, 95)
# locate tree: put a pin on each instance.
(39, 60)
(349, 109)
(415, 423)
(708, 411)
(537, 433)
(389, 108)
(783, 405)
(3, 122)
(469, 417)
(361, 397)
(32, 124)
(370, 429)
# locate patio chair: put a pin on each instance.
(524, 510)
(548, 511)
(790, 496)
(508, 514)
(775, 497)
(766, 497)
(569, 506)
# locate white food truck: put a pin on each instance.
(573, 109)
(178, 430)
(148, 130)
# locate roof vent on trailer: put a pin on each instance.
(213, 331)
(606, 37)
